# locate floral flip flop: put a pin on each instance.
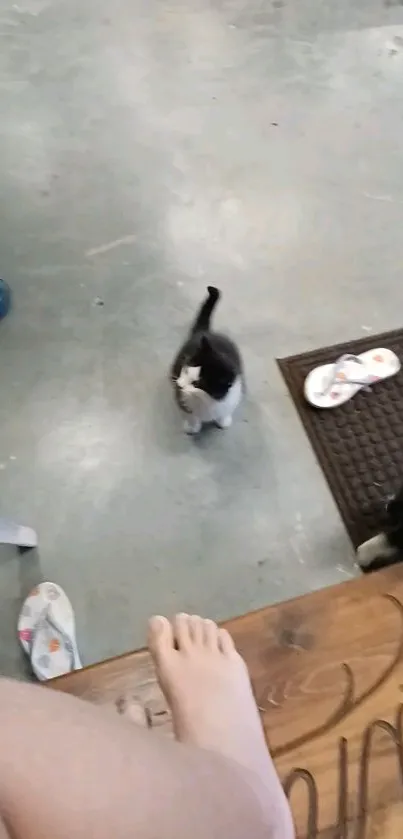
(46, 629)
(331, 385)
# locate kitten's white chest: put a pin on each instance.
(225, 407)
(207, 409)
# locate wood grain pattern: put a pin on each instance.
(327, 672)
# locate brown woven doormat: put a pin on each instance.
(359, 445)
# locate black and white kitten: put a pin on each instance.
(207, 372)
(386, 547)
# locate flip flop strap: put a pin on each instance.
(47, 618)
(338, 368)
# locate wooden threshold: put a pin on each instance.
(327, 673)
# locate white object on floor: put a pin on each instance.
(17, 534)
(376, 548)
(330, 385)
(46, 629)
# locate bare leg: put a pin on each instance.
(69, 769)
(4, 834)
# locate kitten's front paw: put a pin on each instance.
(192, 426)
(225, 422)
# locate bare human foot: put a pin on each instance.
(207, 687)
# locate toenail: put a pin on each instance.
(157, 623)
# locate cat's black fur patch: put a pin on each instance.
(217, 356)
(394, 521)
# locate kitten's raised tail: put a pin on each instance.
(202, 322)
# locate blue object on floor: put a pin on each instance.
(5, 298)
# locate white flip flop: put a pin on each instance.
(17, 534)
(46, 629)
(331, 385)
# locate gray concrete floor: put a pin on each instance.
(148, 148)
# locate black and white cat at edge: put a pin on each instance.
(207, 376)
(387, 546)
